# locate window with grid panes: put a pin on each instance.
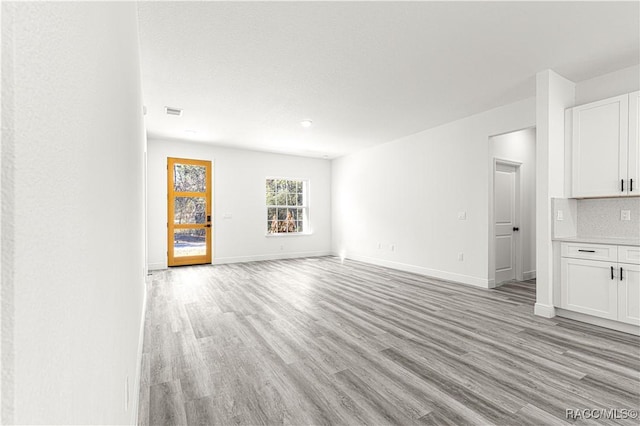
(287, 209)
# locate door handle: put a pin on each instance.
(515, 228)
(612, 272)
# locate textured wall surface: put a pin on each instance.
(601, 218)
(74, 204)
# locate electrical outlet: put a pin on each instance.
(462, 215)
(560, 215)
(625, 214)
(460, 257)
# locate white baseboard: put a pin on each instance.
(255, 258)
(530, 275)
(432, 273)
(157, 266)
(602, 322)
(136, 388)
(546, 311)
(273, 256)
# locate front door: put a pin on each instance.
(189, 211)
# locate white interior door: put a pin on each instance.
(506, 223)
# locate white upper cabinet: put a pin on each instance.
(600, 148)
(633, 166)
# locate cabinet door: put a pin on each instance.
(634, 144)
(629, 294)
(587, 287)
(600, 148)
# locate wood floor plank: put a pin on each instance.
(321, 341)
(166, 406)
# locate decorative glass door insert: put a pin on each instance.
(189, 211)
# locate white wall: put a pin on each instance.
(6, 300)
(554, 94)
(519, 147)
(616, 83)
(239, 189)
(408, 194)
(74, 127)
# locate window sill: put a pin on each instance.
(288, 234)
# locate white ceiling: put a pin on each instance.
(246, 74)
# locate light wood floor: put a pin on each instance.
(314, 341)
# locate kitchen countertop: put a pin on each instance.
(600, 240)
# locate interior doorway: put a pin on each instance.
(188, 212)
(512, 231)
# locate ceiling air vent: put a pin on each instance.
(173, 111)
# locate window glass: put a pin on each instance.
(286, 209)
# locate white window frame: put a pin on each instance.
(305, 207)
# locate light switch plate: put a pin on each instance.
(462, 215)
(560, 215)
(625, 214)
(227, 216)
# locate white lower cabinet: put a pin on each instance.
(587, 287)
(629, 294)
(605, 289)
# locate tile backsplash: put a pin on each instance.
(601, 218)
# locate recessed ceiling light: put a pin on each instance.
(173, 111)
(306, 123)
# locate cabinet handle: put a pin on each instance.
(630, 185)
(621, 273)
(587, 251)
(621, 185)
(612, 272)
